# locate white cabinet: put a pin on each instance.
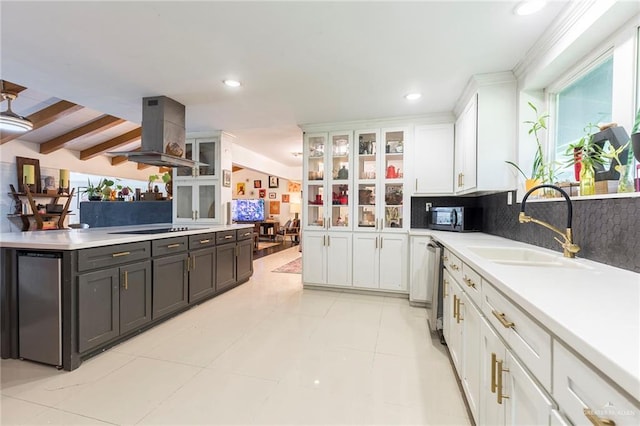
(485, 134)
(419, 285)
(327, 258)
(454, 341)
(508, 395)
(433, 161)
(198, 196)
(584, 397)
(205, 151)
(470, 356)
(379, 181)
(380, 261)
(466, 147)
(194, 200)
(327, 182)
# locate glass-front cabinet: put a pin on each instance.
(203, 150)
(328, 184)
(195, 201)
(380, 179)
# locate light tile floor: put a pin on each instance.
(267, 352)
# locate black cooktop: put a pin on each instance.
(152, 231)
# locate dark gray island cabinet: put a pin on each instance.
(113, 292)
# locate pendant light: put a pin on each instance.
(9, 120)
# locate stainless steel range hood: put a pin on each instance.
(163, 134)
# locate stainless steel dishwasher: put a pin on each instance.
(434, 275)
(39, 307)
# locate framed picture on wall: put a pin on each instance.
(257, 184)
(240, 188)
(274, 182)
(262, 193)
(285, 198)
(226, 178)
(274, 207)
(272, 195)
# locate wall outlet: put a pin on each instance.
(427, 207)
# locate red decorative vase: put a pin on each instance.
(577, 163)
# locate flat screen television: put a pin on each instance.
(247, 210)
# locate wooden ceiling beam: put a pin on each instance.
(121, 159)
(98, 125)
(103, 147)
(46, 116)
(142, 166)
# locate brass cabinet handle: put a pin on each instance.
(500, 370)
(502, 319)
(328, 240)
(122, 253)
(469, 282)
(246, 234)
(381, 239)
(445, 258)
(597, 421)
(494, 360)
(228, 237)
(376, 243)
(458, 319)
(454, 266)
(455, 306)
(173, 245)
(207, 240)
(444, 288)
(187, 264)
(126, 280)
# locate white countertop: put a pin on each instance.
(595, 309)
(73, 239)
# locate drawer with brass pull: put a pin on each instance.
(202, 241)
(453, 264)
(585, 397)
(471, 283)
(102, 257)
(530, 342)
(224, 237)
(171, 245)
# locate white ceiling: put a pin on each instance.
(299, 62)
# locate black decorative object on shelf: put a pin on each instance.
(617, 137)
(635, 143)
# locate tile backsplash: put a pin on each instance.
(606, 229)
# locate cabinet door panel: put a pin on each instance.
(135, 296)
(98, 308)
(170, 284)
(225, 266)
(339, 259)
(202, 274)
(419, 284)
(433, 159)
(314, 265)
(491, 350)
(471, 353)
(393, 262)
(365, 260)
(528, 404)
(244, 261)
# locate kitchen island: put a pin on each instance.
(105, 285)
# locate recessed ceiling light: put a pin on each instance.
(232, 83)
(413, 96)
(529, 7)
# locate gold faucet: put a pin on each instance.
(570, 249)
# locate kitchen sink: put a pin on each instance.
(518, 256)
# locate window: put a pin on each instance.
(586, 100)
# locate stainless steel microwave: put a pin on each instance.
(458, 219)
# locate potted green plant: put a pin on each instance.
(166, 178)
(95, 192)
(588, 154)
(541, 171)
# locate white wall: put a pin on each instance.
(251, 160)
(248, 176)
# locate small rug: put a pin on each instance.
(262, 245)
(293, 267)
